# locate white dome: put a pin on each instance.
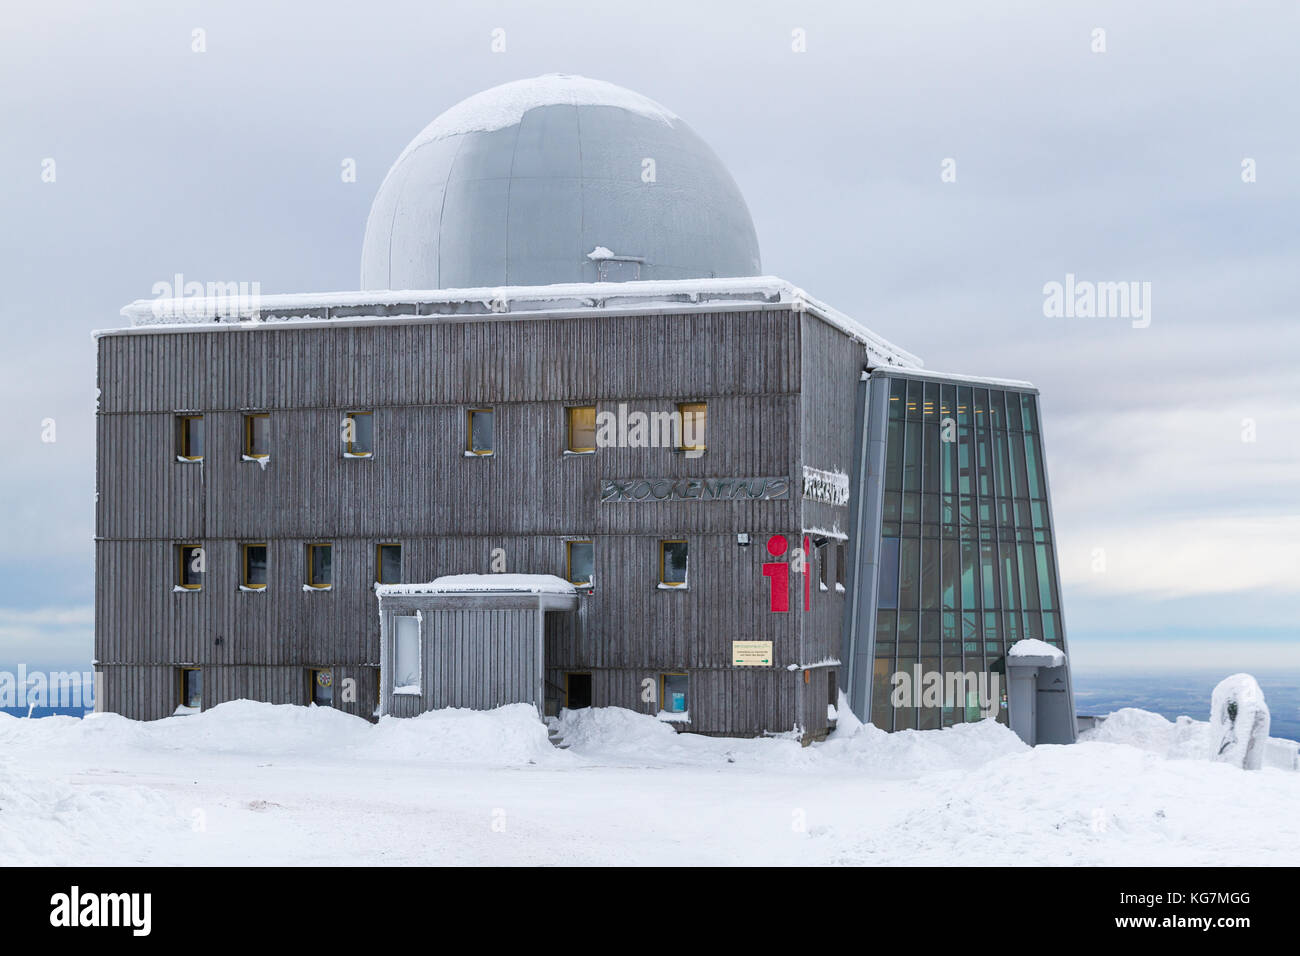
(555, 179)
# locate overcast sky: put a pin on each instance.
(1122, 165)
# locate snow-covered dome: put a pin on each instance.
(555, 179)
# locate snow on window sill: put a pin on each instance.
(262, 460)
(177, 589)
(839, 588)
(570, 453)
(477, 454)
(822, 587)
(313, 587)
(369, 454)
(182, 711)
(245, 587)
(671, 587)
(407, 690)
(671, 717)
(189, 461)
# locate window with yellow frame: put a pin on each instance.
(257, 435)
(673, 556)
(189, 437)
(253, 573)
(581, 430)
(480, 432)
(358, 435)
(191, 687)
(388, 564)
(320, 565)
(191, 562)
(580, 562)
(694, 417)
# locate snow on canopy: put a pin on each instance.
(462, 583)
(1032, 647)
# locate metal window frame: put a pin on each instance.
(663, 552)
(311, 564)
(469, 431)
(568, 562)
(379, 560)
(180, 567)
(243, 565)
(249, 418)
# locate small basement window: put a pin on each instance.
(254, 570)
(191, 563)
(257, 435)
(406, 654)
(358, 435)
(672, 564)
(841, 564)
(189, 437)
(581, 429)
(673, 693)
(481, 434)
(191, 681)
(581, 562)
(321, 687)
(388, 564)
(320, 570)
(694, 416)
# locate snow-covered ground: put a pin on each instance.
(256, 783)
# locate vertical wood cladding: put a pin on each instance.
(449, 511)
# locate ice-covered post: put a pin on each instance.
(1239, 722)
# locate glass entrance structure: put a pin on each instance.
(959, 560)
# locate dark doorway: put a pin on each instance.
(577, 689)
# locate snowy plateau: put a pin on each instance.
(254, 783)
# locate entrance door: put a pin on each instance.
(577, 689)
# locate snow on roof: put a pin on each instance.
(247, 311)
(478, 583)
(955, 377)
(505, 105)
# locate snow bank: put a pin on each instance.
(1183, 739)
(509, 735)
(506, 736)
(911, 753)
(45, 821)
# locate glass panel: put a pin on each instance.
(912, 457)
(894, 456)
(482, 431)
(255, 565)
(897, 398)
(390, 564)
(1046, 583)
(191, 559)
(882, 714)
(1010, 575)
(888, 593)
(582, 429)
(259, 436)
(581, 561)
(909, 567)
(988, 574)
(1029, 575)
(675, 693)
(192, 437)
(694, 420)
(914, 400)
(1029, 413)
(951, 572)
(1014, 421)
(192, 688)
(406, 653)
(673, 562)
(322, 688)
(362, 430)
(320, 557)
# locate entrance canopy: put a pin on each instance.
(466, 640)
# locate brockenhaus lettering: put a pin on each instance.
(694, 489)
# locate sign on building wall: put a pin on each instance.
(831, 487)
(695, 489)
(751, 653)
